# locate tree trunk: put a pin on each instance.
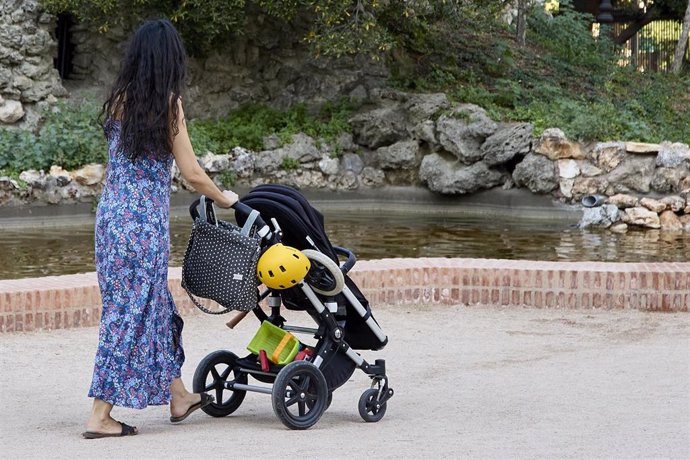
(682, 43)
(521, 35)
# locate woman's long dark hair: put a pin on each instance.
(145, 93)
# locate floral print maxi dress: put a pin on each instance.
(139, 347)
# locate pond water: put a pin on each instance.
(375, 235)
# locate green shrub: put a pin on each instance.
(290, 164)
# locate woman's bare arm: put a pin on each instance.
(190, 169)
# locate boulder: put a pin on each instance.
(378, 127)
(589, 186)
(90, 174)
(372, 177)
(642, 217)
(653, 205)
(600, 216)
(463, 132)
(554, 145)
(672, 155)
(632, 174)
(537, 173)
(619, 228)
(422, 106)
(669, 221)
(685, 221)
(243, 164)
(215, 163)
(622, 201)
(401, 155)
(59, 176)
(587, 169)
(329, 166)
(507, 143)
(452, 177)
(11, 111)
(641, 147)
(425, 131)
(608, 155)
(568, 169)
(566, 187)
(669, 180)
(674, 203)
(352, 162)
(345, 142)
(35, 179)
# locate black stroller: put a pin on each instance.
(302, 389)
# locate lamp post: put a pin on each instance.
(605, 15)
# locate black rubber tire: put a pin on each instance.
(221, 407)
(305, 407)
(328, 402)
(367, 406)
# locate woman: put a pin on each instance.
(140, 348)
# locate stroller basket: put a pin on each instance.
(280, 346)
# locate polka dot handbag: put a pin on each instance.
(220, 264)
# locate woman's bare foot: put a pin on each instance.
(105, 426)
(180, 404)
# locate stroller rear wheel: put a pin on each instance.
(211, 374)
(369, 407)
(300, 395)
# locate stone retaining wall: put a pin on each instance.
(60, 302)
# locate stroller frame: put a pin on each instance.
(300, 390)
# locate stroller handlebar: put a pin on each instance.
(203, 208)
(351, 259)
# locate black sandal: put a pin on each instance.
(205, 401)
(125, 431)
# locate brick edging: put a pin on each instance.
(58, 302)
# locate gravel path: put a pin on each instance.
(478, 383)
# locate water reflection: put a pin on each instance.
(41, 252)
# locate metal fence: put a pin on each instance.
(652, 48)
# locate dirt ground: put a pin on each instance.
(477, 383)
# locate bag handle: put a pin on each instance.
(246, 228)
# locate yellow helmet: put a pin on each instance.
(282, 267)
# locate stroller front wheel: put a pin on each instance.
(300, 395)
(369, 407)
(212, 375)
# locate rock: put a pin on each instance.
(622, 201)
(452, 177)
(554, 145)
(329, 166)
(589, 186)
(423, 106)
(89, 174)
(641, 147)
(215, 163)
(537, 173)
(669, 180)
(674, 203)
(669, 221)
(36, 179)
(425, 131)
(463, 132)
(243, 164)
(345, 143)
(587, 169)
(372, 177)
(642, 217)
(633, 173)
(566, 187)
(347, 180)
(8, 185)
(685, 221)
(568, 169)
(352, 162)
(11, 111)
(507, 143)
(302, 148)
(608, 155)
(60, 176)
(401, 155)
(600, 216)
(271, 142)
(653, 205)
(619, 228)
(378, 127)
(672, 155)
